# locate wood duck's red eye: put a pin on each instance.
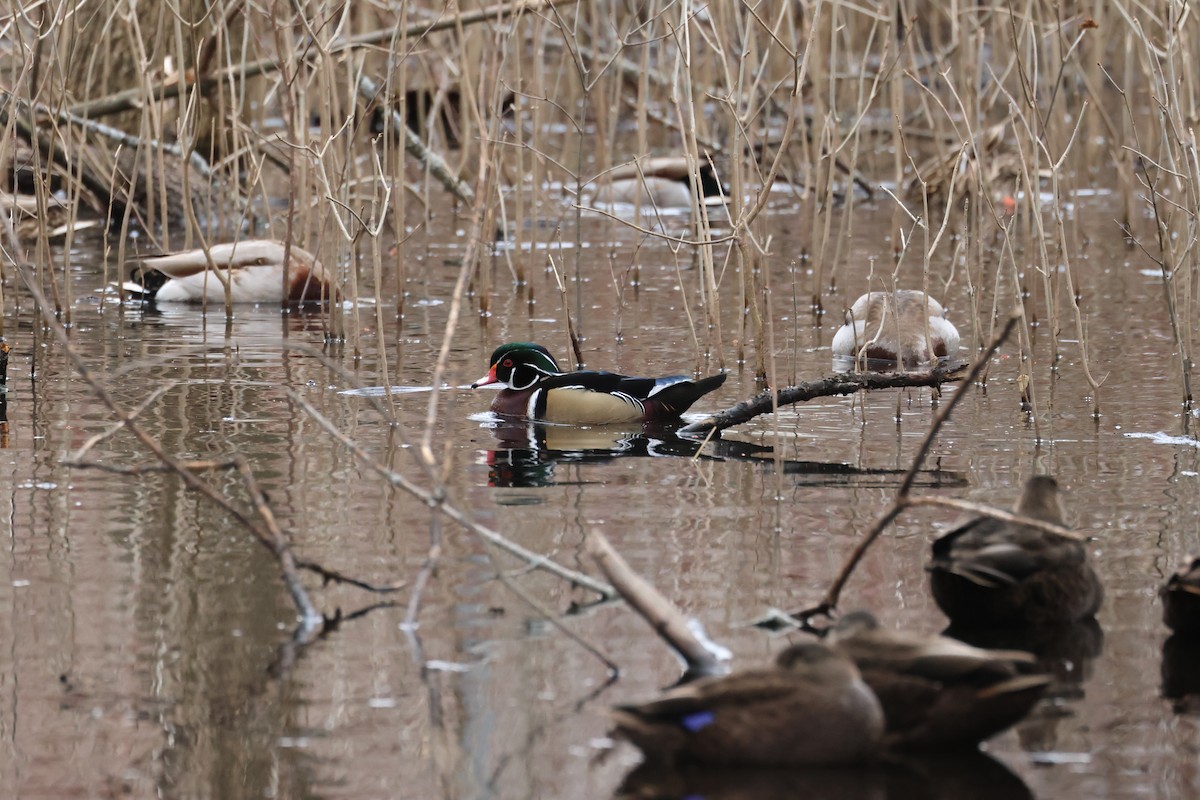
(507, 362)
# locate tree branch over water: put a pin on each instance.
(766, 402)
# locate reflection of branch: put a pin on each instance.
(764, 402)
(302, 637)
(902, 499)
(666, 620)
(267, 532)
(436, 499)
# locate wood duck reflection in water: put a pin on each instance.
(811, 707)
(988, 572)
(253, 267)
(536, 388)
(907, 327)
(937, 692)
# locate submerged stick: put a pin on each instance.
(666, 620)
(764, 402)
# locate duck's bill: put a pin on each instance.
(486, 379)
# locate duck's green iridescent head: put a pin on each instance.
(519, 366)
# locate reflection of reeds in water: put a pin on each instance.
(253, 124)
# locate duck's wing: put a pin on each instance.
(227, 255)
(708, 695)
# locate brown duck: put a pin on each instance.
(989, 572)
(936, 692)
(1181, 600)
(810, 708)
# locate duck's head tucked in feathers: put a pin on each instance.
(906, 327)
(254, 269)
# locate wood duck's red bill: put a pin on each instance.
(486, 379)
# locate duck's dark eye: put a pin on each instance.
(507, 362)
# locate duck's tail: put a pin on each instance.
(676, 398)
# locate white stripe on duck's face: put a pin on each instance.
(579, 406)
(521, 365)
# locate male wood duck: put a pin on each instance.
(908, 327)
(1181, 600)
(535, 388)
(989, 572)
(664, 182)
(254, 268)
(810, 708)
(937, 692)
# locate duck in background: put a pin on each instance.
(658, 183)
(936, 692)
(536, 388)
(988, 572)
(908, 327)
(810, 708)
(254, 267)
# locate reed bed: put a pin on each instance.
(364, 132)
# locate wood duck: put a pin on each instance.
(1181, 600)
(535, 388)
(989, 572)
(936, 692)
(811, 707)
(664, 182)
(908, 327)
(254, 268)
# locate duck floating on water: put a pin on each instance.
(988, 572)
(936, 692)
(811, 707)
(664, 182)
(536, 388)
(255, 269)
(1181, 600)
(908, 327)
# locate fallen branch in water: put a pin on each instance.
(849, 383)
(667, 621)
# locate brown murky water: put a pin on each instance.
(145, 649)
